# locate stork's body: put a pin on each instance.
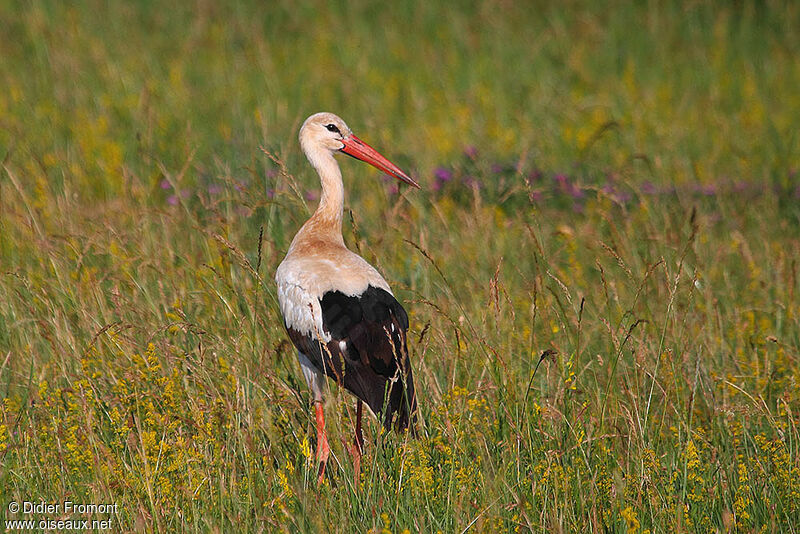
(339, 311)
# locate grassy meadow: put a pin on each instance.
(610, 194)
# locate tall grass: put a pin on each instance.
(601, 271)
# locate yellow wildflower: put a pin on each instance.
(631, 521)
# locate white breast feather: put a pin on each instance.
(303, 281)
(300, 309)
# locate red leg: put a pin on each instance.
(358, 444)
(323, 448)
(359, 435)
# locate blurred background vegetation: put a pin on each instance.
(617, 183)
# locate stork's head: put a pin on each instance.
(326, 132)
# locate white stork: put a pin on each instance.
(338, 310)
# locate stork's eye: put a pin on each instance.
(332, 128)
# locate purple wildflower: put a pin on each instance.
(165, 184)
(214, 189)
(172, 200)
(497, 168)
(311, 195)
(471, 151)
(270, 193)
(649, 188)
(575, 191)
(567, 187)
(443, 175)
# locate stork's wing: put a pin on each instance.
(367, 351)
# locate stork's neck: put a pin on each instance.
(327, 219)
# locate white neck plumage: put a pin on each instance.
(327, 219)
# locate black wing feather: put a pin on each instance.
(375, 365)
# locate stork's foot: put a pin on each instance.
(357, 448)
(355, 452)
(323, 451)
(323, 447)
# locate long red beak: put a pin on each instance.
(355, 147)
